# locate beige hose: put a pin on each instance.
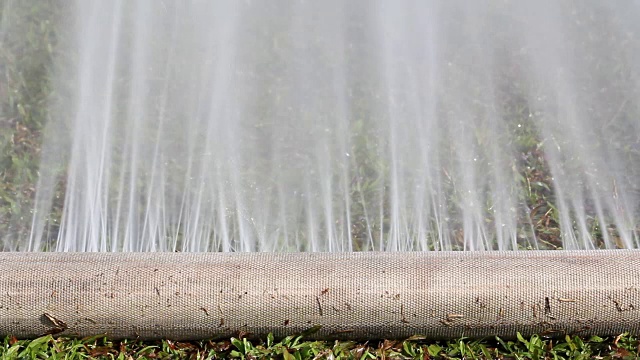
(342, 295)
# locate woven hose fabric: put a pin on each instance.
(340, 295)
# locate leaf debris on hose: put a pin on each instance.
(58, 325)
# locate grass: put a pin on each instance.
(623, 346)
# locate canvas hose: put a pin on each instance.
(363, 295)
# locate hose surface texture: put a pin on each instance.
(339, 295)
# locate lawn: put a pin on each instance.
(295, 347)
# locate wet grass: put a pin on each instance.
(623, 346)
